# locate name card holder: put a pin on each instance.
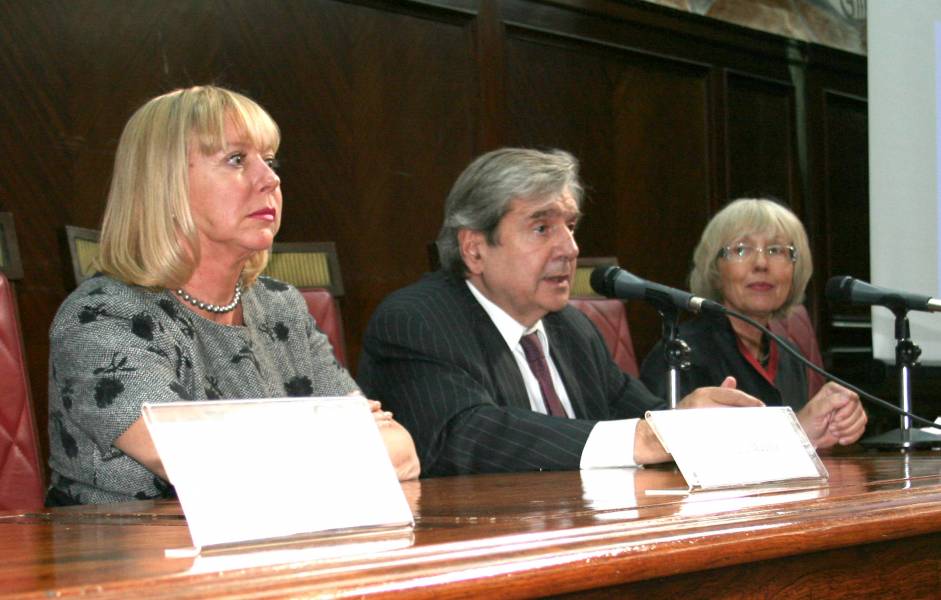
(717, 448)
(257, 473)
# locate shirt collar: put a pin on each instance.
(510, 329)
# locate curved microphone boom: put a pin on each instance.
(843, 288)
(615, 282)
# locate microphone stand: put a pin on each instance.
(906, 357)
(675, 350)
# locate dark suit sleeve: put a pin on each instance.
(431, 370)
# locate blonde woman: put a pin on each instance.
(178, 310)
(754, 258)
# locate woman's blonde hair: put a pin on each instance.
(148, 237)
(742, 217)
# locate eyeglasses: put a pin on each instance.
(774, 253)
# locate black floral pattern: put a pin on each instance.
(184, 321)
(212, 388)
(66, 393)
(142, 325)
(277, 332)
(182, 361)
(246, 353)
(164, 490)
(168, 306)
(89, 314)
(180, 390)
(107, 389)
(65, 438)
(62, 494)
(117, 364)
(299, 386)
(117, 345)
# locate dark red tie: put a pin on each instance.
(537, 364)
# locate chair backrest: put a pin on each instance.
(581, 284)
(608, 314)
(798, 328)
(307, 265)
(21, 475)
(313, 268)
(610, 317)
(83, 250)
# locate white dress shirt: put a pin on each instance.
(610, 443)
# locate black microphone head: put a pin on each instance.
(839, 288)
(602, 280)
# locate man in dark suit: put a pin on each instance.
(461, 356)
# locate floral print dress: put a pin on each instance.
(115, 346)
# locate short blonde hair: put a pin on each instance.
(148, 237)
(742, 217)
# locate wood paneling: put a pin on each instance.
(847, 187)
(761, 130)
(383, 103)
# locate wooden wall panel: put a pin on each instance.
(375, 134)
(611, 107)
(383, 103)
(662, 193)
(846, 148)
(761, 152)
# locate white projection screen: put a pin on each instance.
(904, 74)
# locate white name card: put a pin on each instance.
(734, 447)
(253, 470)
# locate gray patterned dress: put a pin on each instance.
(115, 346)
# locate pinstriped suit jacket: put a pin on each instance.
(432, 355)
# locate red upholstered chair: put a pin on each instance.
(83, 250)
(313, 268)
(609, 315)
(798, 328)
(21, 475)
(325, 310)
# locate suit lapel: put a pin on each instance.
(563, 357)
(498, 359)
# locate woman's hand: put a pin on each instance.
(398, 443)
(833, 416)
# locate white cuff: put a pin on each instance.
(610, 444)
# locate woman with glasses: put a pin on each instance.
(754, 258)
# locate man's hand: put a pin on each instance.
(647, 448)
(717, 397)
(833, 416)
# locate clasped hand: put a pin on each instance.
(833, 416)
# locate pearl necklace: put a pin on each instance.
(213, 308)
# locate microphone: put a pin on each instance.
(844, 288)
(615, 282)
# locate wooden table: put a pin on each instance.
(873, 531)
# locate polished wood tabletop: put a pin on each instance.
(873, 527)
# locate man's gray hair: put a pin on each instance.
(481, 196)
